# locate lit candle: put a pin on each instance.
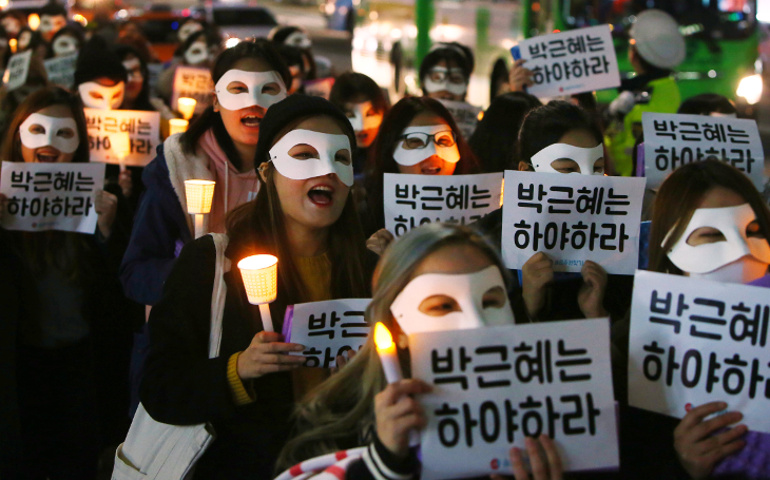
(33, 21)
(386, 349)
(186, 106)
(199, 194)
(13, 44)
(121, 146)
(260, 278)
(177, 125)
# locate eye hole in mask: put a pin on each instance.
(565, 158)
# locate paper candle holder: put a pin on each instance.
(177, 125)
(199, 194)
(260, 277)
(186, 106)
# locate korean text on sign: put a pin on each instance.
(329, 329)
(61, 70)
(501, 384)
(414, 200)
(193, 83)
(17, 70)
(50, 196)
(572, 218)
(570, 62)
(128, 136)
(695, 341)
(672, 140)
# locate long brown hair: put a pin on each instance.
(38, 100)
(339, 409)
(396, 120)
(261, 224)
(680, 195)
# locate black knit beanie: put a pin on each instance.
(96, 60)
(292, 108)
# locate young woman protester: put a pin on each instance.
(304, 215)
(708, 222)
(417, 136)
(219, 145)
(356, 407)
(200, 50)
(365, 105)
(73, 334)
(562, 138)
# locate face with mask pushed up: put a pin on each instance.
(456, 287)
(723, 241)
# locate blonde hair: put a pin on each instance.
(342, 406)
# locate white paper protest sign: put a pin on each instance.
(414, 200)
(465, 115)
(695, 341)
(193, 83)
(17, 70)
(572, 218)
(329, 328)
(127, 136)
(61, 70)
(672, 140)
(575, 61)
(50, 196)
(498, 385)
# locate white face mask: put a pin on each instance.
(361, 121)
(60, 133)
(709, 257)
(412, 156)
(440, 79)
(298, 39)
(253, 93)
(51, 24)
(327, 146)
(466, 289)
(24, 39)
(64, 45)
(100, 97)
(134, 69)
(188, 29)
(11, 26)
(197, 53)
(585, 158)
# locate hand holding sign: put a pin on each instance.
(520, 76)
(698, 448)
(106, 206)
(536, 274)
(379, 241)
(548, 468)
(398, 413)
(268, 354)
(591, 293)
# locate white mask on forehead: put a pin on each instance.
(49, 23)
(409, 157)
(64, 45)
(708, 257)
(432, 86)
(327, 145)
(360, 121)
(255, 82)
(188, 29)
(112, 97)
(298, 39)
(197, 53)
(584, 157)
(50, 136)
(466, 289)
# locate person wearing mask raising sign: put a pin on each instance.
(417, 136)
(709, 222)
(304, 214)
(73, 336)
(436, 277)
(219, 145)
(562, 138)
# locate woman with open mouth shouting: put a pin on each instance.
(72, 323)
(417, 136)
(220, 146)
(304, 215)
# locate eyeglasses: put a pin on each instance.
(454, 75)
(419, 140)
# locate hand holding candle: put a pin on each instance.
(260, 278)
(186, 107)
(398, 391)
(199, 194)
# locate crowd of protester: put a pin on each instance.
(93, 326)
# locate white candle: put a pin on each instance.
(260, 279)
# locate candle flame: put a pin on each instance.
(382, 337)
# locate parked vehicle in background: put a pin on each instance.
(240, 20)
